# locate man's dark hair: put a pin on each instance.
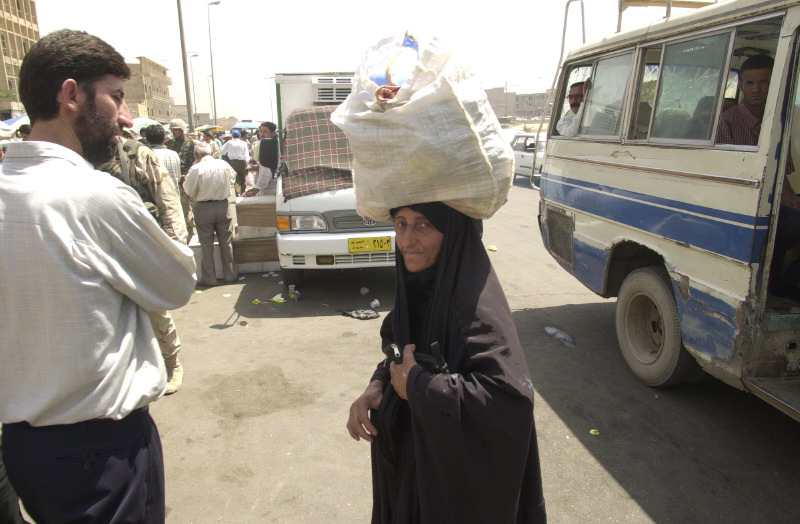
(59, 56)
(757, 62)
(155, 134)
(269, 125)
(25, 129)
(576, 84)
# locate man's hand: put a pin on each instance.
(358, 423)
(400, 371)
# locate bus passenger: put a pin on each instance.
(570, 123)
(741, 125)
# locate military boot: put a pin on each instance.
(174, 374)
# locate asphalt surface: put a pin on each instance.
(257, 434)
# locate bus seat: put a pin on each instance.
(671, 123)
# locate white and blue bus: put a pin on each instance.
(644, 203)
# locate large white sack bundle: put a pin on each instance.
(436, 140)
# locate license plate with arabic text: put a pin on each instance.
(362, 245)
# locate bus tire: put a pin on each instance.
(649, 332)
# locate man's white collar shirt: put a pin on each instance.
(83, 261)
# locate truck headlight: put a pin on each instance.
(307, 223)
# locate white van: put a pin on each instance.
(318, 226)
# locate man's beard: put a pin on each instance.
(96, 134)
(574, 107)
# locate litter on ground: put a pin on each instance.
(559, 335)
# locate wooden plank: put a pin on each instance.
(259, 215)
(250, 250)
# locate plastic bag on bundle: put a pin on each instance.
(427, 134)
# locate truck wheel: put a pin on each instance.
(648, 329)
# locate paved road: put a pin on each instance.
(257, 432)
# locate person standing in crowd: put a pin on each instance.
(143, 171)
(88, 262)
(265, 159)
(209, 139)
(238, 154)
(24, 132)
(184, 146)
(451, 424)
(218, 139)
(155, 137)
(209, 185)
(153, 183)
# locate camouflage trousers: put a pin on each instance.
(166, 334)
(188, 214)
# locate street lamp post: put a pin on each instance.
(211, 55)
(194, 93)
(189, 106)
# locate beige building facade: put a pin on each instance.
(147, 91)
(509, 105)
(19, 30)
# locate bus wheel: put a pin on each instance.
(648, 329)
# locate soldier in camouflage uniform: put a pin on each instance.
(184, 146)
(140, 168)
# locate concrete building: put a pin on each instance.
(147, 91)
(19, 30)
(509, 105)
(531, 105)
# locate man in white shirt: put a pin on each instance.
(208, 183)
(88, 262)
(569, 125)
(238, 153)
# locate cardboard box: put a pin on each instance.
(256, 211)
(251, 250)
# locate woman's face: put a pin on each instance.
(418, 241)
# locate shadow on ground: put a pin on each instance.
(322, 293)
(702, 453)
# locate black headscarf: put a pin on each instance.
(463, 447)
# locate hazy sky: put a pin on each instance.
(509, 42)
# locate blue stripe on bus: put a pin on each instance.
(745, 220)
(708, 324)
(698, 226)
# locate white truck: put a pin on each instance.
(296, 90)
(318, 226)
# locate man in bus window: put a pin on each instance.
(741, 125)
(570, 123)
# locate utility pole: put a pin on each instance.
(189, 105)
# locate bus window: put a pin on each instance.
(648, 83)
(577, 75)
(757, 38)
(691, 79)
(603, 113)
